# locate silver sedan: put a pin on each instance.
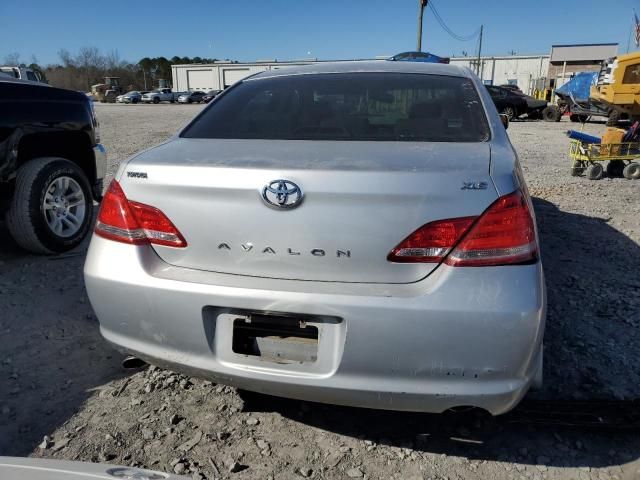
(357, 233)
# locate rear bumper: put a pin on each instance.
(463, 336)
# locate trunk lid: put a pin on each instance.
(360, 200)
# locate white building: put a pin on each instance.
(220, 75)
(521, 70)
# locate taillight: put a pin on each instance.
(503, 235)
(125, 221)
(431, 242)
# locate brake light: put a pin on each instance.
(431, 242)
(503, 235)
(135, 223)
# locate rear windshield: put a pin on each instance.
(354, 106)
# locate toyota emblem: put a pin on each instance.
(282, 194)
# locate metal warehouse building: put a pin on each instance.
(525, 71)
(521, 70)
(528, 72)
(220, 75)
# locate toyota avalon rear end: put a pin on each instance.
(353, 233)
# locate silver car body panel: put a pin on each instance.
(17, 468)
(343, 183)
(416, 337)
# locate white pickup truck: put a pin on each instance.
(23, 73)
(160, 95)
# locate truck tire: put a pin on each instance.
(509, 111)
(551, 114)
(613, 119)
(156, 100)
(52, 206)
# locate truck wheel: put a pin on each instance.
(595, 171)
(551, 114)
(156, 100)
(509, 111)
(52, 206)
(632, 171)
(613, 119)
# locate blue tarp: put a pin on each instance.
(578, 87)
(583, 137)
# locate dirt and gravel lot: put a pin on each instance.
(60, 380)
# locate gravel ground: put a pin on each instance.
(60, 380)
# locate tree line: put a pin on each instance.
(89, 66)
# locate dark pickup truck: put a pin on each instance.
(51, 165)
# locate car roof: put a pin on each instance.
(373, 66)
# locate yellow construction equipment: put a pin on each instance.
(108, 91)
(618, 87)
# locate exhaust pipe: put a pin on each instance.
(133, 363)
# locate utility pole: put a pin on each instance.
(480, 49)
(422, 5)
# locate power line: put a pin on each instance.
(446, 28)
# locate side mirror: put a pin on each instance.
(505, 120)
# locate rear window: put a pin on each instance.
(357, 106)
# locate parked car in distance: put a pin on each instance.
(191, 97)
(51, 165)
(418, 57)
(507, 102)
(513, 88)
(534, 106)
(210, 95)
(133, 96)
(160, 95)
(22, 73)
(353, 233)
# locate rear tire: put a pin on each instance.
(613, 119)
(632, 171)
(32, 215)
(595, 171)
(615, 168)
(551, 114)
(509, 111)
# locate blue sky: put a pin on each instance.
(249, 30)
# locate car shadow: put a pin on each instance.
(51, 354)
(581, 254)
